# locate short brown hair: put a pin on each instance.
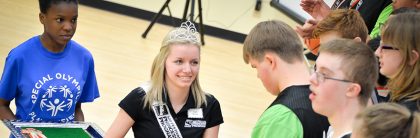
(273, 36)
(359, 64)
(389, 120)
(347, 22)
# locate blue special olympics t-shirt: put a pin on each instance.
(47, 86)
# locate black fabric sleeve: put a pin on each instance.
(215, 114)
(133, 103)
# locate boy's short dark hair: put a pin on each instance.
(44, 5)
(273, 36)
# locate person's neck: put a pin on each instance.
(50, 45)
(342, 120)
(293, 74)
(178, 96)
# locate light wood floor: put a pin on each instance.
(123, 60)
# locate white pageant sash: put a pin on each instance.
(165, 120)
(163, 116)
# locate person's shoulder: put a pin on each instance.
(27, 45)
(136, 96)
(138, 91)
(294, 93)
(304, 88)
(412, 105)
(211, 99)
(24, 48)
(276, 113)
(278, 110)
(78, 48)
(279, 116)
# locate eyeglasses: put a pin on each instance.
(320, 78)
(382, 47)
(388, 47)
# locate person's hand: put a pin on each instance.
(318, 9)
(306, 30)
(307, 5)
(32, 133)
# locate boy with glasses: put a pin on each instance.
(342, 82)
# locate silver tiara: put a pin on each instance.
(186, 31)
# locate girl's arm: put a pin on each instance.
(78, 114)
(5, 111)
(119, 128)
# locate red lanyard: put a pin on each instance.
(354, 4)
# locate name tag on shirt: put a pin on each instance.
(195, 113)
(195, 123)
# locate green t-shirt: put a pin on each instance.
(383, 17)
(278, 121)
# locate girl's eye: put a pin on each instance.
(58, 20)
(178, 62)
(194, 62)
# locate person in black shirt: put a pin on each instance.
(172, 104)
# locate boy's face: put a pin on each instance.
(60, 22)
(328, 85)
(264, 74)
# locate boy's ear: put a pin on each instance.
(270, 60)
(354, 90)
(414, 57)
(357, 39)
(42, 18)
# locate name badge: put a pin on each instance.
(195, 113)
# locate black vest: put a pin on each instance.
(296, 98)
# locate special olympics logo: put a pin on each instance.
(57, 99)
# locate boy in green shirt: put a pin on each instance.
(274, 49)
